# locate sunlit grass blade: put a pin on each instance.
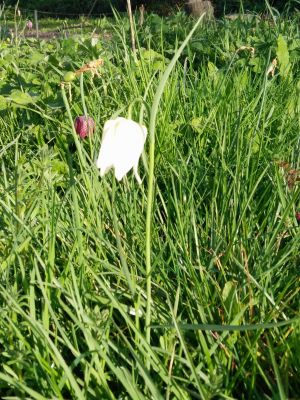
(153, 112)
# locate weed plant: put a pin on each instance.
(224, 236)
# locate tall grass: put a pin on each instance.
(224, 238)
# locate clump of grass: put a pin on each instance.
(224, 239)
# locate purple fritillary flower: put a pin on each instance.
(84, 126)
(29, 25)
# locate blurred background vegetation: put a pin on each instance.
(159, 6)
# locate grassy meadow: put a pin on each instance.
(190, 291)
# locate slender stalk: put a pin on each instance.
(85, 112)
(74, 193)
(129, 10)
(119, 242)
(82, 96)
(150, 195)
(78, 146)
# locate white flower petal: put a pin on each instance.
(105, 160)
(122, 145)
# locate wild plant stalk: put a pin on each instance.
(72, 181)
(132, 30)
(150, 195)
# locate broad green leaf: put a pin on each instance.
(20, 97)
(283, 57)
(151, 55)
(36, 58)
(54, 101)
(159, 65)
(197, 124)
(59, 167)
(256, 64)
(212, 69)
(3, 103)
(228, 291)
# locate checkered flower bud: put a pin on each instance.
(84, 126)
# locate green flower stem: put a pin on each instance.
(85, 112)
(74, 134)
(74, 193)
(82, 96)
(150, 195)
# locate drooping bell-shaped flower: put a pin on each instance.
(84, 126)
(29, 25)
(122, 145)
